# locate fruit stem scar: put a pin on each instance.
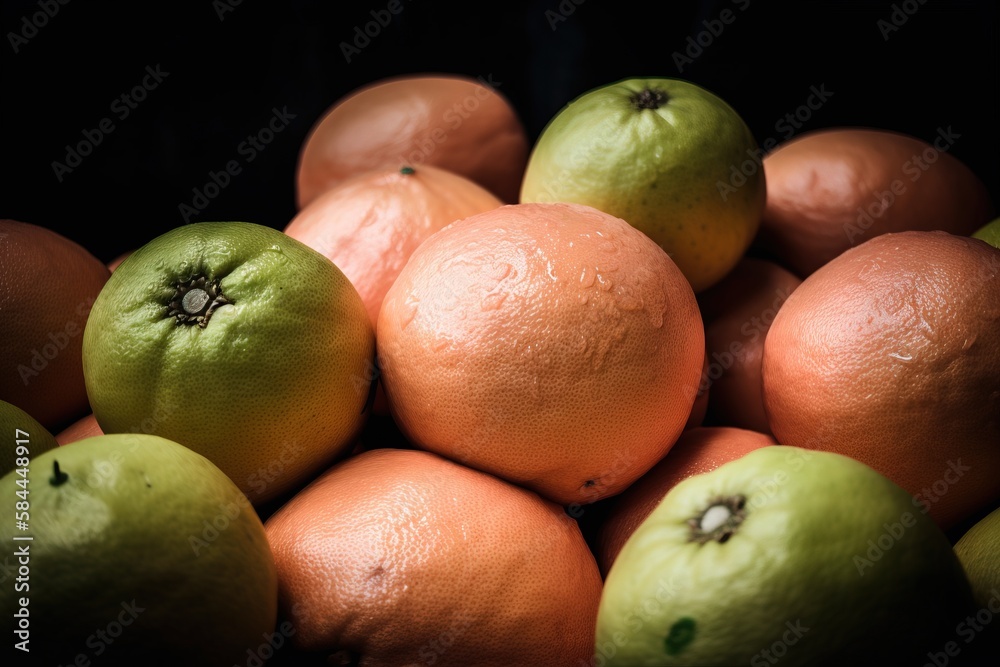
(649, 98)
(194, 300)
(406, 171)
(719, 521)
(58, 476)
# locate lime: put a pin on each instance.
(809, 557)
(23, 437)
(239, 342)
(132, 549)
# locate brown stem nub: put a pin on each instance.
(649, 98)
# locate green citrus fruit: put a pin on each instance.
(979, 551)
(665, 155)
(140, 552)
(239, 342)
(23, 437)
(809, 557)
(990, 232)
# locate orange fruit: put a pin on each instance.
(454, 122)
(550, 344)
(370, 224)
(85, 427)
(832, 189)
(48, 284)
(113, 264)
(890, 354)
(401, 557)
(738, 313)
(698, 450)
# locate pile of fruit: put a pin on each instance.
(638, 394)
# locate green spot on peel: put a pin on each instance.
(681, 634)
(406, 171)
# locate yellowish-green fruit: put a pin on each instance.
(668, 156)
(134, 550)
(810, 558)
(979, 551)
(239, 342)
(990, 232)
(23, 437)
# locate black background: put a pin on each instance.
(938, 70)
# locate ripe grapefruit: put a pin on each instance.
(48, 284)
(454, 122)
(370, 224)
(738, 313)
(831, 189)
(890, 354)
(400, 557)
(553, 345)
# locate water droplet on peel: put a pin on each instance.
(584, 298)
(588, 276)
(493, 301)
(901, 356)
(968, 342)
(658, 152)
